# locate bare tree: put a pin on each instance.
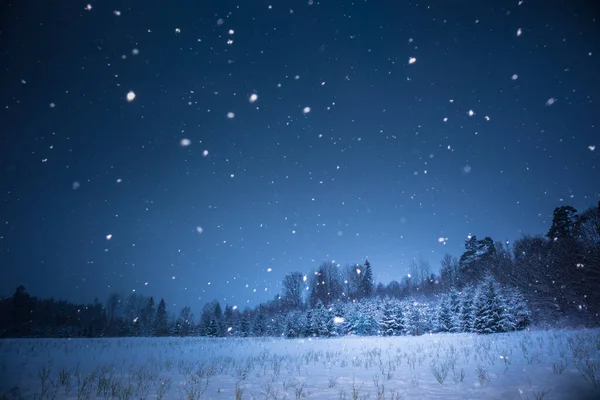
(449, 271)
(352, 280)
(293, 288)
(325, 285)
(419, 270)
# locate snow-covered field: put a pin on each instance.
(517, 365)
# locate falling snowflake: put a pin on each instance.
(412, 60)
(519, 32)
(117, 13)
(306, 110)
(592, 148)
(199, 229)
(130, 96)
(185, 142)
(230, 115)
(550, 101)
(205, 153)
(471, 113)
(253, 98)
(109, 236)
(515, 77)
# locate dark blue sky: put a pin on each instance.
(387, 161)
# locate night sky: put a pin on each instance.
(387, 130)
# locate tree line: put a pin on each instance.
(491, 287)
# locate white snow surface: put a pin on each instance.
(516, 365)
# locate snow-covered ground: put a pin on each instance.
(517, 365)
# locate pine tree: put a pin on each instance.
(467, 309)
(490, 315)
(219, 329)
(259, 325)
(367, 281)
(391, 321)
(245, 324)
(362, 319)
(162, 328)
(517, 311)
(454, 306)
(293, 326)
(563, 223)
(417, 318)
(321, 321)
(444, 315)
(148, 317)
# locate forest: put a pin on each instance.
(541, 281)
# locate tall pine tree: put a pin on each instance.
(367, 281)
(162, 328)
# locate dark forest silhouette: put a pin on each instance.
(549, 280)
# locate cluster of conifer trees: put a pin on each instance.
(492, 287)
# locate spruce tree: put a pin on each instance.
(444, 315)
(454, 307)
(259, 325)
(367, 281)
(391, 321)
(148, 317)
(320, 321)
(245, 324)
(490, 314)
(517, 310)
(162, 328)
(467, 309)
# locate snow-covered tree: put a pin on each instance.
(455, 308)
(417, 318)
(490, 308)
(362, 319)
(391, 320)
(467, 309)
(322, 321)
(259, 324)
(444, 315)
(517, 311)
